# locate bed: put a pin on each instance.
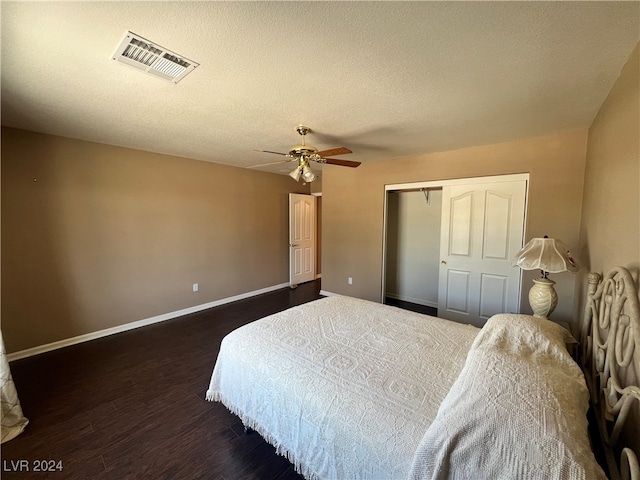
(351, 389)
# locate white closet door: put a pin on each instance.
(482, 230)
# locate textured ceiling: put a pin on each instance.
(385, 79)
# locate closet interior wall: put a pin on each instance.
(413, 245)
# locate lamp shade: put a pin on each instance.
(547, 254)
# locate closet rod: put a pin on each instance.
(413, 190)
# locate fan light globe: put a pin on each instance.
(295, 174)
(307, 174)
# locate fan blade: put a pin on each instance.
(334, 151)
(269, 151)
(270, 163)
(344, 163)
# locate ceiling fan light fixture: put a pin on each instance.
(296, 173)
(304, 154)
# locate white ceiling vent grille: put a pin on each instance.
(138, 52)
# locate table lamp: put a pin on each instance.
(548, 255)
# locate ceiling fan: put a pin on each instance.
(305, 154)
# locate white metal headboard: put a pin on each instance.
(610, 355)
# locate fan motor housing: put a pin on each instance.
(299, 150)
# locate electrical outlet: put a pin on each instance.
(195, 287)
(350, 281)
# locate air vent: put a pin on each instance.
(138, 52)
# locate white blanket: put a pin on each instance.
(517, 411)
(344, 388)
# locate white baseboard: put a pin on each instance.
(29, 352)
(328, 294)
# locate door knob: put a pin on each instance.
(443, 262)
(293, 244)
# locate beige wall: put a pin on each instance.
(610, 229)
(108, 235)
(353, 202)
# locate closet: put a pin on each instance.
(450, 245)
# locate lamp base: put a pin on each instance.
(543, 297)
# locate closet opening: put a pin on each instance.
(412, 249)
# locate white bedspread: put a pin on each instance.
(344, 388)
(517, 411)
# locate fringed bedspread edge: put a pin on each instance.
(302, 469)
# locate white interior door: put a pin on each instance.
(302, 238)
(482, 230)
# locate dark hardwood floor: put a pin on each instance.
(414, 307)
(131, 405)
